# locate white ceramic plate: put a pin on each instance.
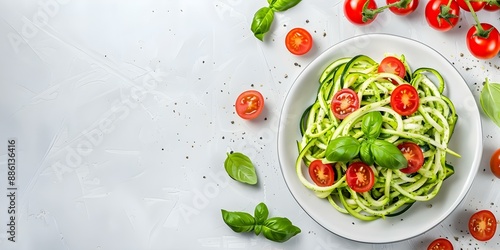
(466, 140)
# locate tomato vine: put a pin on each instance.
(482, 39)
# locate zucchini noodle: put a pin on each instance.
(430, 127)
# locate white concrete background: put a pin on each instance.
(123, 114)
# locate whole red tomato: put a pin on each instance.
(483, 47)
(476, 5)
(355, 12)
(411, 6)
(492, 7)
(495, 163)
(440, 15)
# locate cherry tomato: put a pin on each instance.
(360, 177)
(480, 47)
(482, 225)
(442, 21)
(495, 163)
(321, 174)
(491, 7)
(344, 102)
(392, 65)
(404, 99)
(411, 7)
(353, 11)
(298, 41)
(440, 244)
(476, 5)
(249, 104)
(413, 153)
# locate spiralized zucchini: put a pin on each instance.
(430, 127)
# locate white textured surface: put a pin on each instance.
(123, 113)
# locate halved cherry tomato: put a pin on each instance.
(249, 104)
(321, 174)
(392, 65)
(413, 153)
(404, 99)
(298, 41)
(344, 102)
(483, 225)
(440, 244)
(476, 5)
(360, 177)
(438, 18)
(495, 163)
(411, 7)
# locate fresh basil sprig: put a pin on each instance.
(263, 18)
(371, 150)
(490, 101)
(277, 229)
(239, 167)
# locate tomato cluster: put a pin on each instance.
(482, 39)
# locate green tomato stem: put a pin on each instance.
(472, 12)
(369, 14)
(382, 8)
(480, 32)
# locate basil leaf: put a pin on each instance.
(239, 167)
(238, 221)
(282, 5)
(365, 152)
(387, 155)
(279, 229)
(371, 124)
(262, 21)
(261, 213)
(257, 229)
(490, 101)
(342, 149)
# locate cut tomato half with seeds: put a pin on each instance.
(483, 225)
(392, 65)
(360, 177)
(322, 174)
(414, 155)
(298, 41)
(249, 104)
(440, 244)
(344, 102)
(405, 100)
